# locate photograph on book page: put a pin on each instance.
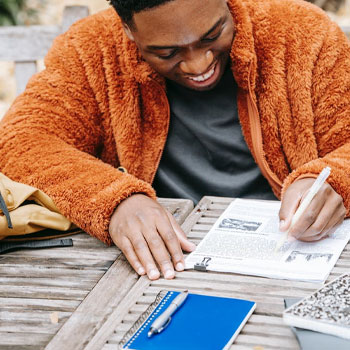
(244, 239)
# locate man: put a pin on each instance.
(278, 70)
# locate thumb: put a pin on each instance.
(289, 206)
(185, 244)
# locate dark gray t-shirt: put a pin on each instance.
(205, 153)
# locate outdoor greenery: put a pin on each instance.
(14, 12)
(9, 10)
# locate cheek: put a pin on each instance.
(162, 67)
(225, 41)
(224, 44)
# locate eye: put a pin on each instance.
(167, 57)
(212, 38)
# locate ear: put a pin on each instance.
(128, 32)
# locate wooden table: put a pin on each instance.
(264, 330)
(98, 319)
(65, 293)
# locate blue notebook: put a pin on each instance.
(202, 322)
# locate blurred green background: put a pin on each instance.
(13, 12)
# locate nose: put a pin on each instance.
(197, 62)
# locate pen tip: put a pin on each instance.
(149, 334)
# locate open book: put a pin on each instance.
(326, 311)
(244, 238)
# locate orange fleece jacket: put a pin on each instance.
(98, 105)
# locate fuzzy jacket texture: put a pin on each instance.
(98, 106)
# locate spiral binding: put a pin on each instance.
(144, 320)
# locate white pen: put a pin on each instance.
(304, 204)
(165, 317)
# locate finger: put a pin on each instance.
(143, 253)
(311, 223)
(331, 214)
(172, 242)
(313, 220)
(131, 256)
(157, 246)
(289, 206)
(185, 244)
(328, 232)
(312, 238)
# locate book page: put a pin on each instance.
(244, 238)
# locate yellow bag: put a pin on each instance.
(25, 210)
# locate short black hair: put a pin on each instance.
(127, 8)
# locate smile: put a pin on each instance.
(205, 76)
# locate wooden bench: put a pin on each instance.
(26, 45)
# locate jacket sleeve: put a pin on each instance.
(331, 106)
(51, 137)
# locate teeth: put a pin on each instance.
(203, 77)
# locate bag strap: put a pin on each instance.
(4, 209)
(6, 247)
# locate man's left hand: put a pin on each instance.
(320, 219)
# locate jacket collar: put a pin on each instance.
(243, 57)
(242, 53)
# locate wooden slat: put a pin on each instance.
(62, 262)
(196, 214)
(179, 208)
(23, 341)
(47, 272)
(84, 282)
(42, 292)
(83, 253)
(30, 317)
(34, 304)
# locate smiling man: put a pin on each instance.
(239, 98)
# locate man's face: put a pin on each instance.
(186, 41)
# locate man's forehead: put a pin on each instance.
(179, 21)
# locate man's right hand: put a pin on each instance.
(149, 237)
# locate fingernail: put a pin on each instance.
(193, 246)
(169, 274)
(153, 274)
(141, 271)
(180, 266)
